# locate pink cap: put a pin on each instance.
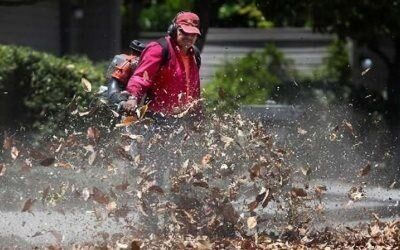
(189, 22)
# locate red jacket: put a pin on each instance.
(165, 84)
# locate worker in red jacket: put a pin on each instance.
(172, 85)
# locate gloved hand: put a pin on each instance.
(130, 105)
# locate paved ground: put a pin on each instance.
(71, 219)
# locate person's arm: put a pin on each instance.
(148, 67)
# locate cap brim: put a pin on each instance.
(190, 29)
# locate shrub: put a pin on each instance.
(41, 86)
(250, 80)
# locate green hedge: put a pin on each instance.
(250, 80)
(40, 86)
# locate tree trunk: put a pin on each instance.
(203, 8)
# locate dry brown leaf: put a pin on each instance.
(206, 159)
(255, 171)
(189, 216)
(319, 190)
(301, 131)
(71, 140)
(135, 245)
(202, 184)
(45, 194)
(2, 169)
(155, 189)
(306, 170)
(93, 134)
(143, 208)
(99, 196)
(14, 153)
(227, 140)
(349, 127)
(47, 161)
(251, 222)
(253, 205)
(28, 205)
(111, 206)
(127, 121)
(85, 194)
(356, 193)
(298, 192)
(141, 112)
(365, 170)
(65, 165)
(123, 186)
(87, 86)
(92, 157)
(374, 231)
(7, 142)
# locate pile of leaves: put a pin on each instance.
(219, 182)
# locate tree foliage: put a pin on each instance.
(366, 22)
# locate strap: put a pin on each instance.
(165, 50)
(166, 56)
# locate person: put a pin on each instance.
(171, 86)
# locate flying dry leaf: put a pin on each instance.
(365, 71)
(227, 140)
(356, 193)
(84, 113)
(47, 162)
(156, 189)
(28, 205)
(7, 142)
(123, 186)
(374, 231)
(365, 170)
(349, 127)
(301, 131)
(202, 184)
(306, 170)
(87, 86)
(255, 171)
(92, 157)
(2, 169)
(135, 245)
(140, 112)
(253, 205)
(93, 134)
(99, 196)
(319, 190)
(206, 159)
(111, 206)
(65, 165)
(298, 192)
(39, 233)
(85, 194)
(14, 152)
(127, 121)
(45, 194)
(251, 222)
(391, 185)
(143, 208)
(189, 216)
